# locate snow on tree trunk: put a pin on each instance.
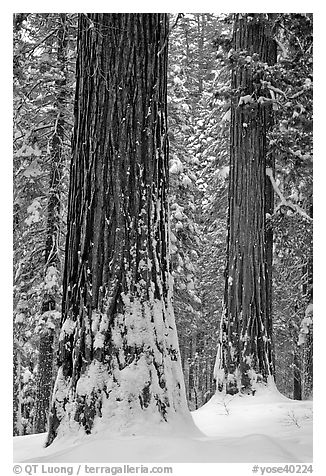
(245, 353)
(118, 350)
(49, 303)
(306, 330)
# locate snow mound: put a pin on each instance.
(267, 427)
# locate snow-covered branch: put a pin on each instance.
(305, 324)
(273, 90)
(284, 201)
(283, 47)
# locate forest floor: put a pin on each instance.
(267, 427)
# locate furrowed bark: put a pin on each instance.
(118, 350)
(245, 353)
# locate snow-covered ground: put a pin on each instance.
(267, 427)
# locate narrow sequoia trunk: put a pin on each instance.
(18, 402)
(50, 297)
(118, 350)
(297, 375)
(245, 353)
(307, 364)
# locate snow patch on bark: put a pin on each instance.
(143, 385)
(67, 328)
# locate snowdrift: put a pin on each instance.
(267, 427)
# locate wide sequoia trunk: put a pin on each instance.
(245, 353)
(118, 351)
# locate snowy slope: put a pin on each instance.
(265, 428)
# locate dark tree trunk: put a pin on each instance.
(308, 366)
(245, 353)
(118, 350)
(50, 298)
(17, 392)
(297, 377)
(44, 382)
(308, 345)
(201, 20)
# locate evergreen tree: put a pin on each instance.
(52, 253)
(118, 350)
(43, 53)
(194, 148)
(245, 353)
